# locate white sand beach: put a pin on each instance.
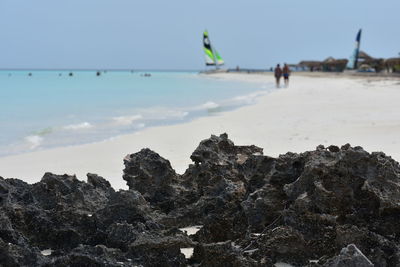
(324, 110)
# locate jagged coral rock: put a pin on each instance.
(255, 210)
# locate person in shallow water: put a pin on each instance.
(286, 73)
(278, 74)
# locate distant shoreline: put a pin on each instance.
(348, 74)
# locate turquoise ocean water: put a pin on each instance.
(44, 109)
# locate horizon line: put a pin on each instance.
(92, 69)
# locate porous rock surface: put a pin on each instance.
(329, 207)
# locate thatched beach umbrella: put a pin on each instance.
(364, 56)
(392, 64)
(331, 64)
(310, 65)
(376, 63)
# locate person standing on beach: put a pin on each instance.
(278, 74)
(286, 73)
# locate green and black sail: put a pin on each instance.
(212, 56)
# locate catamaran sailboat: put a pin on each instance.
(212, 56)
(353, 62)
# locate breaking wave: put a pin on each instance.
(126, 120)
(34, 141)
(209, 105)
(83, 125)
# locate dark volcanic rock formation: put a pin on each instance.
(153, 177)
(329, 207)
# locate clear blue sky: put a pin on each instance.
(167, 34)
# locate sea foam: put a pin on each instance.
(140, 126)
(162, 113)
(83, 125)
(34, 141)
(176, 114)
(126, 120)
(209, 105)
(248, 99)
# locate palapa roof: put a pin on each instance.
(329, 59)
(310, 63)
(332, 61)
(393, 61)
(364, 55)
